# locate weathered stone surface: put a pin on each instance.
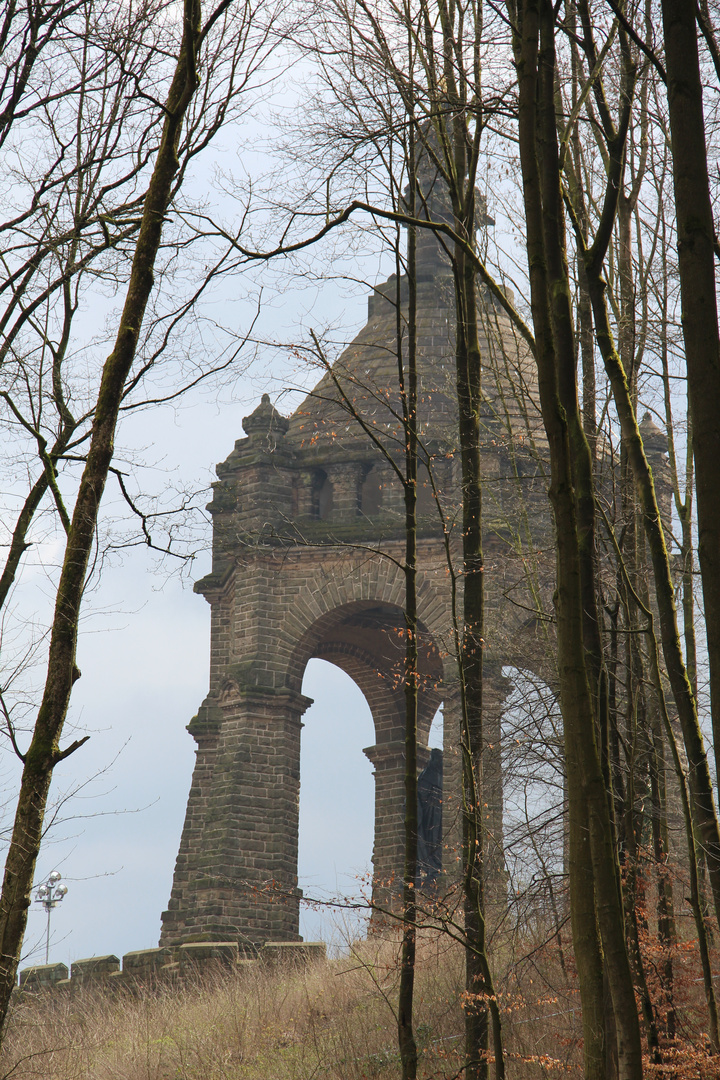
(290, 953)
(93, 971)
(42, 976)
(204, 958)
(144, 963)
(117, 980)
(170, 972)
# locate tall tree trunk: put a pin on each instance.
(583, 911)
(44, 751)
(636, 745)
(480, 995)
(460, 152)
(408, 393)
(635, 680)
(694, 808)
(664, 906)
(535, 60)
(693, 856)
(696, 239)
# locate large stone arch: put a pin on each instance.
(236, 872)
(366, 639)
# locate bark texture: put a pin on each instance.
(696, 239)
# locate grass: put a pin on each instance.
(331, 1021)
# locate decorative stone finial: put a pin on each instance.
(265, 420)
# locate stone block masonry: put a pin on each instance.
(150, 967)
(43, 977)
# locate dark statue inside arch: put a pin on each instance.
(430, 788)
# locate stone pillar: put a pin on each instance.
(205, 729)
(392, 503)
(346, 479)
(236, 872)
(388, 759)
(305, 493)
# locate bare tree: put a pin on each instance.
(104, 106)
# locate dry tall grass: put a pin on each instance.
(333, 1021)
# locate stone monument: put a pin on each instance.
(308, 520)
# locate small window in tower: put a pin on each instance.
(371, 494)
(425, 496)
(325, 499)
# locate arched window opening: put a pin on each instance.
(337, 803)
(437, 727)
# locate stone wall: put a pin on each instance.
(147, 967)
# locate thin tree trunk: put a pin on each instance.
(664, 907)
(44, 751)
(635, 692)
(482, 1013)
(635, 743)
(702, 800)
(693, 847)
(469, 390)
(693, 865)
(408, 393)
(583, 911)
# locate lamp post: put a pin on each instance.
(49, 895)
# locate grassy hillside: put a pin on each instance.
(332, 1021)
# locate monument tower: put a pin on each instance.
(308, 541)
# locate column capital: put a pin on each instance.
(234, 692)
(387, 754)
